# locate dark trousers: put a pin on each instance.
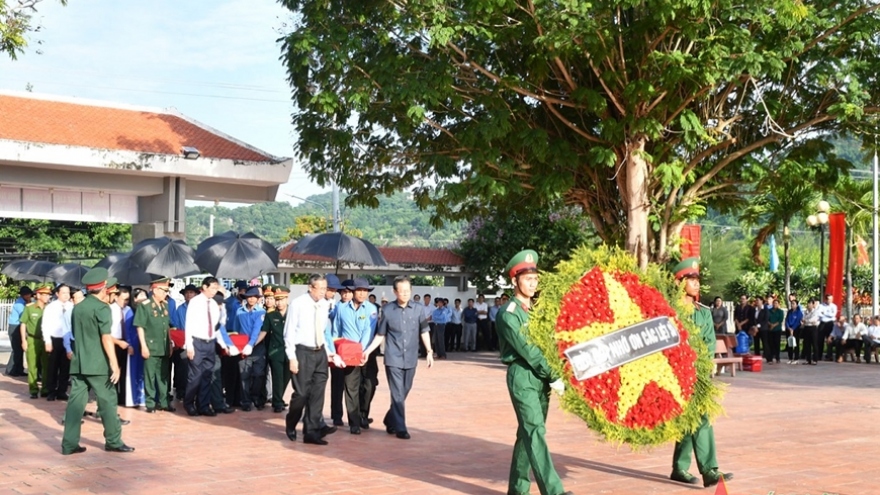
(810, 339)
(217, 400)
(180, 363)
(453, 336)
(825, 329)
(761, 342)
(369, 384)
(122, 360)
(337, 391)
(400, 382)
(230, 379)
(252, 370)
(440, 337)
(279, 368)
(309, 386)
(483, 338)
(773, 345)
(493, 336)
(352, 380)
(869, 346)
(200, 374)
(793, 349)
(59, 369)
(15, 365)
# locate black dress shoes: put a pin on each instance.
(227, 410)
(355, 430)
(208, 412)
(390, 430)
(278, 409)
(327, 430)
(122, 448)
(365, 424)
(51, 398)
(78, 450)
(403, 435)
(192, 412)
(169, 408)
(62, 397)
(314, 440)
(338, 422)
(247, 408)
(291, 435)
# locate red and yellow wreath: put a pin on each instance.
(652, 400)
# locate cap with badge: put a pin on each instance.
(689, 267)
(43, 289)
(522, 262)
(113, 289)
(97, 279)
(281, 291)
(268, 290)
(254, 291)
(162, 283)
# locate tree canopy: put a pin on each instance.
(61, 241)
(642, 112)
(16, 21)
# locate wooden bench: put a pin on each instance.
(722, 358)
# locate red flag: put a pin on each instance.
(721, 488)
(862, 247)
(690, 241)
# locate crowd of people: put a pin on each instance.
(811, 334)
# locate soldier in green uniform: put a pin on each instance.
(153, 327)
(529, 381)
(702, 441)
(32, 340)
(93, 366)
(273, 327)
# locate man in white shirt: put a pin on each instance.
(871, 337)
(56, 322)
(827, 316)
(200, 338)
(483, 338)
(306, 338)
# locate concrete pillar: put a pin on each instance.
(143, 231)
(167, 209)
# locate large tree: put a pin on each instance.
(642, 112)
(16, 22)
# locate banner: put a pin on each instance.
(774, 255)
(690, 241)
(836, 250)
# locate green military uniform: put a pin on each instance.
(702, 440)
(90, 369)
(37, 359)
(154, 319)
(279, 366)
(528, 382)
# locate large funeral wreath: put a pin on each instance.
(650, 401)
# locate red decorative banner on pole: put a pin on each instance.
(690, 241)
(836, 247)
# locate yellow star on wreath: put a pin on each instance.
(636, 375)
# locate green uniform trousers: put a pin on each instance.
(531, 397)
(702, 443)
(76, 406)
(156, 371)
(37, 362)
(279, 369)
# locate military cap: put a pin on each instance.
(689, 267)
(97, 279)
(190, 287)
(523, 261)
(44, 289)
(163, 283)
(281, 291)
(113, 289)
(254, 291)
(268, 290)
(333, 282)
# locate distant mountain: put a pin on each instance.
(397, 221)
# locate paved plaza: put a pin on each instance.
(789, 430)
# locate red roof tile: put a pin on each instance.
(40, 120)
(393, 255)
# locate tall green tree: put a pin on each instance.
(61, 241)
(642, 112)
(16, 22)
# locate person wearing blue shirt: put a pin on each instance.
(440, 317)
(355, 321)
(793, 329)
(252, 367)
(233, 302)
(469, 317)
(15, 365)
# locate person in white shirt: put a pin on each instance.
(827, 316)
(453, 328)
(56, 322)
(870, 339)
(483, 338)
(853, 339)
(200, 330)
(306, 338)
(117, 331)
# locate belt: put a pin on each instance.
(207, 341)
(308, 348)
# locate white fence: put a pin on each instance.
(5, 309)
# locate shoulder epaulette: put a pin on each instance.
(511, 308)
(146, 301)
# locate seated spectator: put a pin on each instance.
(871, 338)
(854, 339)
(835, 340)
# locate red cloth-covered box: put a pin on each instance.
(178, 338)
(753, 363)
(350, 351)
(239, 340)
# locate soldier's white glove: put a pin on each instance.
(233, 351)
(248, 349)
(558, 386)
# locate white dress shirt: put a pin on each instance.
(199, 310)
(305, 318)
(482, 307)
(56, 320)
(115, 321)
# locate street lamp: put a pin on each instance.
(820, 219)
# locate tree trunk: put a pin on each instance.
(637, 200)
(786, 237)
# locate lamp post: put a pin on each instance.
(820, 219)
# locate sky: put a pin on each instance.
(214, 61)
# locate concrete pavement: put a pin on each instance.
(790, 430)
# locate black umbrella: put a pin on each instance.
(30, 270)
(341, 247)
(230, 255)
(69, 274)
(164, 256)
(119, 265)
